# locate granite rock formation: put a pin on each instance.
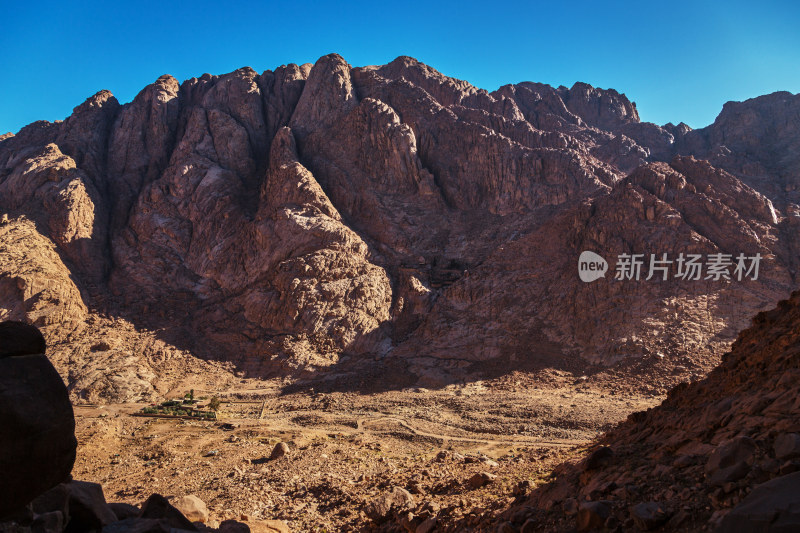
(298, 221)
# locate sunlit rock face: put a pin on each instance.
(283, 221)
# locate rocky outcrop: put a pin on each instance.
(80, 506)
(48, 186)
(773, 506)
(140, 145)
(37, 444)
(539, 309)
(287, 220)
(756, 140)
(36, 286)
(605, 110)
(722, 443)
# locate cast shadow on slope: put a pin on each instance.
(719, 454)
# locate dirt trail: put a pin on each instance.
(511, 440)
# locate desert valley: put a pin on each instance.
(372, 273)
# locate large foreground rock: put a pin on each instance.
(19, 338)
(88, 509)
(37, 441)
(773, 507)
(192, 508)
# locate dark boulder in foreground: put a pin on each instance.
(19, 338)
(771, 507)
(37, 441)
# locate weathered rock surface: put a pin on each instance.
(758, 141)
(79, 506)
(730, 461)
(709, 444)
(281, 449)
(771, 507)
(592, 515)
(392, 501)
(285, 221)
(649, 515)
(192, 508)
(787, 446)
(480, 479)
(35, 284)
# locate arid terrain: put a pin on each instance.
(295, 223)
(346, 450)
(378, 267)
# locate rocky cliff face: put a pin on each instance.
(301, 219)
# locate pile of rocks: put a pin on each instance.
(80, 506)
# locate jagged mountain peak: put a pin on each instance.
(287, 219)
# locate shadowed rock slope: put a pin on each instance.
(304, 221)
(697, 457)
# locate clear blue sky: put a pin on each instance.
(679, 61)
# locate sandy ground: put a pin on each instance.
(346, 448)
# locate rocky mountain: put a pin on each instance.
(318, 220)
(722, 452)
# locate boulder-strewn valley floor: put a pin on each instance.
(348, 449)
(377, 266)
